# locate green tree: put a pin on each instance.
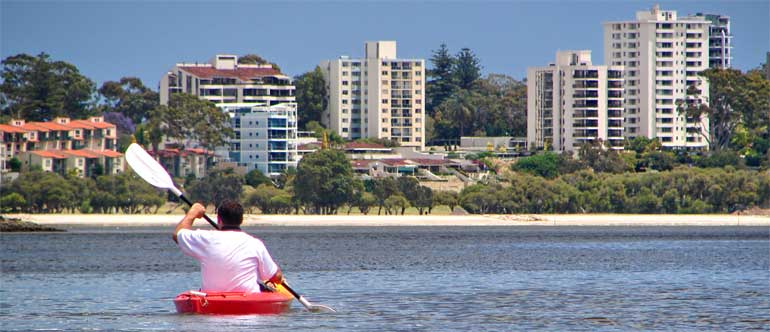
(312, 97)
(130, 97)
(324, 181)
(12, 202)
(660, 161)
(721, 159)
(36, 88)
(600, 158)
(255, 178)
(318, 129)
(396, 204)
(447, 198)
(734, 98)
(254, 59)
(544, 164)
(441, 81)
(261, 197)
(217, 186)
(365, 202)
(382, 188)
(467, 69)
(14, 164)
(189, 118)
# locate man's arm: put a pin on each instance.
(195, 212)
(277, 278)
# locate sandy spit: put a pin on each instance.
(412, 220)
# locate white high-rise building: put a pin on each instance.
(720, 40)
(265, 137)
(224, 80)
(572, 101)
(662, 56)
(379, 96)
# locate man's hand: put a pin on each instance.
(196, 211)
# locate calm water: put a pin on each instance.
(407, 279)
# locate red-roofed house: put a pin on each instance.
(396, 167)
(225, 81)
(185, 161)
(41, 144)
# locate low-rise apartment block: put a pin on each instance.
(62, 145)
(572, 102)
(379, 96)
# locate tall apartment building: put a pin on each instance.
(265, 137)
(379, 96)
(224, 80)
(662, 56)
(720, 40)
(572, 101)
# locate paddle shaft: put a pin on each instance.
(213, 224)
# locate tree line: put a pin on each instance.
(36, 191)
(324, 183)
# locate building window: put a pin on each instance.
(384, 73)
(344, 82)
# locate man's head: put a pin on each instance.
(230, 213)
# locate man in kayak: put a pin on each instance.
(231, 260)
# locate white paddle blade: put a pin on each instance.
(321, 308)
(314, 307)
(149, 169)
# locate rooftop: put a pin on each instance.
(241, 73)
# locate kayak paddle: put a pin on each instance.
(309, 306)
(153, 172)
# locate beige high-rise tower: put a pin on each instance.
(662, 56)
(379, 96)
(572, 102)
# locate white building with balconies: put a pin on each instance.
(379, 96)
(265, 137)
(720, 40)
(572, 102)
(662, 56)
(225, 81)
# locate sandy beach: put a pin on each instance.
(411, 220)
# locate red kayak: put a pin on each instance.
(233, 303)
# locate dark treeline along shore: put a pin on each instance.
(310, 190)
(643, 178)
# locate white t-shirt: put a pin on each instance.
(231, 261)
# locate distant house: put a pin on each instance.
(181, 162)
(62, 145)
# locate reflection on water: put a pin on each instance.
(407, 279)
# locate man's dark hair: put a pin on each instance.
(231, 212)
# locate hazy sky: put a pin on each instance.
(111, 39)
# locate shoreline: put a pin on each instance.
(138, 220)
